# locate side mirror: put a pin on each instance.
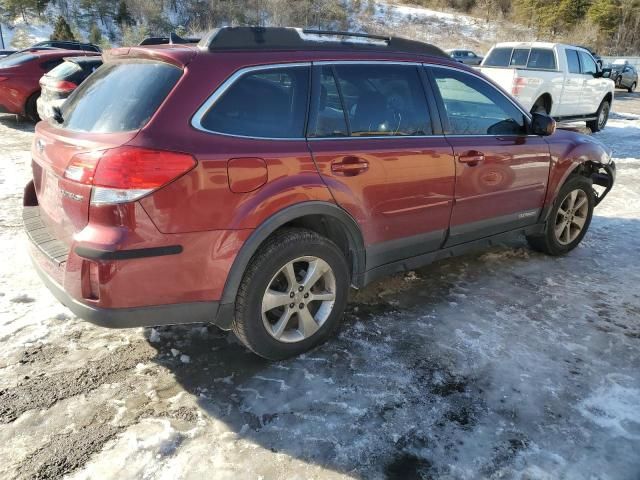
(542, 124)
(598, 74)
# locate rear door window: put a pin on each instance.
(499, 57)
(329, 119)
(383, 100)
(572, 61)
(269, 103)
(120, 96)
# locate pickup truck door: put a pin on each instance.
(593, 89)
(372, 139)
(501, 171)
(570, 102)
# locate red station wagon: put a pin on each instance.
(248, 181)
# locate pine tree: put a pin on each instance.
(95, 35)
(605, 14)
(62, 30)
(123, 17)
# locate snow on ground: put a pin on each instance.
(444, 29)
(504, 363)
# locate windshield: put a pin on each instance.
(119, 97)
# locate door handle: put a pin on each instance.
(471, 158)
(350, 166)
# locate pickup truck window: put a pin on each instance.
(499, 57)
(520, 57)
(573, 61)
(542, 58)
(588, 64)
(474, 107)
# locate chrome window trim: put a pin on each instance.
(196, 119)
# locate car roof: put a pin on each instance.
(61, 52)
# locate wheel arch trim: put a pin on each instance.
(282, 217)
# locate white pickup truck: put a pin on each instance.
(561, 80)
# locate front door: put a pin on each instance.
(501, 172)
(371, 137)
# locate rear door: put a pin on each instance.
(374, 143)
(501, 172)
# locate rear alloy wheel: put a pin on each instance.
(632, 88)
(569, 218)
(293, 294)
(602, 117)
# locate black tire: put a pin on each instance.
(281, 248)
(632, 88)
(31, 108)
(602, 116)
(540, 107)
(547, 241)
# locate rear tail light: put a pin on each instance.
(126, 174)
(61, 86)
(518, 84)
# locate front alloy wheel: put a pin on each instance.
(299, 299)
(571, 217)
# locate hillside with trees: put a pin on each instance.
(611, 26)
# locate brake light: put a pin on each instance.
(62, 86)
(518, 84)
(125, 174)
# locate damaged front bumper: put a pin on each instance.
(603, 176)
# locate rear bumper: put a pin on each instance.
(181, 313)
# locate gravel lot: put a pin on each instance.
(500, 364)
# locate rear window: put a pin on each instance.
(270, 103)
(64, 70)
(16, 59)
(119, 97)
(499, 57)
(542, 58)
(519, 57)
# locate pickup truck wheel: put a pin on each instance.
(603, 116)
(632, 88)
(569, 218)
(292, 296)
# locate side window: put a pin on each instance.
(269, 103)
(572, 61)
(383, 100)
(542, 58)
(588, 64)
(329, 120)
(520, 57)
(474, 107)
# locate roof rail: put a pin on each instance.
(288, 38)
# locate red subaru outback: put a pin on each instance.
(248, 181)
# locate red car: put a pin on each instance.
(249, 181)
(20, 75)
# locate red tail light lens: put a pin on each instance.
(61, 86)
(140, 168)
(125, 174)
(518, 84)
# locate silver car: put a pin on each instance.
(467, 57)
